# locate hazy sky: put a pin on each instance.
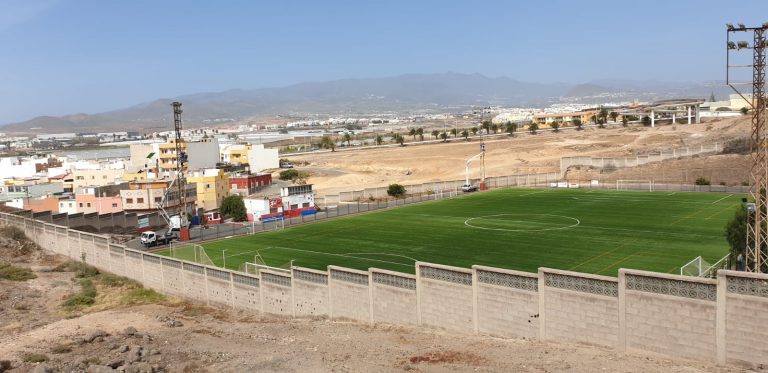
(62, 57)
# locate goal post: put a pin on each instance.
(646, 184)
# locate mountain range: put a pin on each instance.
(446, 92)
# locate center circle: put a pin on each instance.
(522, 222)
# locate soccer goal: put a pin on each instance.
(635, 185)
(699, 267)
(191, 252)
(259, 264)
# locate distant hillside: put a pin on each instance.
(402, 94)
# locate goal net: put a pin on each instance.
(634, 185)
(259, 264)
(699, 267)
(191, 252)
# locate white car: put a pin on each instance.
(467, 188)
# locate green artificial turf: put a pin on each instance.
(523, 229)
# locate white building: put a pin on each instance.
(261, 158)
(297, 197)
(256, 207)
(203, 154)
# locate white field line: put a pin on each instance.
(722, 198)
(340, 255)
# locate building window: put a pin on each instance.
(129, 200)
(93, 177)
(305, 205)
(104, 177)
(81, 204)
(114, 205)
(80, 178)
(158, 199)
(70, 204)
(88, 204)
(139, 200)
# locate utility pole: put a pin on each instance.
(757, 232)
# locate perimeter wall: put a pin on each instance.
(720, 320)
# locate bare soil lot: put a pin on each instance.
(333, 172)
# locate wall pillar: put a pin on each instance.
(653, 119)
(689, 114)
(698, 113)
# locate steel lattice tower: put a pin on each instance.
(757, 228)
(180, 160)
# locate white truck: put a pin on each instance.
(152, 238)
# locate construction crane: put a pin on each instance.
(468, 187)
(178, 182)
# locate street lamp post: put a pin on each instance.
(224, 258)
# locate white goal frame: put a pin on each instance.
(649, 182)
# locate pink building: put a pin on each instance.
(88, 203)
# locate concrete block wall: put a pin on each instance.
(245, 292)
(393, 297)
(195, 284)
(219, 287)
(133, 267)
(350, 293)
(152, 272)
(310, 292)
(117, 259)
(743, 317)
(275, 289)
(719, 320)
(173, 277)
(506, 302)
(445, 297)
(578, 307)
(668, 314)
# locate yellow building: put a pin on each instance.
(168, 154)
(235, 153)
(211, 187)
(584, 116)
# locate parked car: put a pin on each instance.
(467, 188)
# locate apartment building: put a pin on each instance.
(212, 187)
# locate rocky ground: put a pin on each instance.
(129, 329)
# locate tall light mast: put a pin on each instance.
(757, 231)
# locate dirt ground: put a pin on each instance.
(173, 336)
(333, 172)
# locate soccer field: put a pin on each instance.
(523, 229)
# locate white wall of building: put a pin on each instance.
(203, 154)
(260, 158)
(68, 205)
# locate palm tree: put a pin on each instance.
(533, 127)
(511, 128)
(474, 130)
(624, 120)
(379, 140)
(646, 121)
(420, 132)
(412, 132)
(614, 115)
(494, 127)
(400, 139)
(435, 133)
(555, 126)
(578, 124)
(594, 119)
(604, 114)
(444, 136)
(465, 134)
(454, 132)
(486, 126)
(326, 142)
(347, 137)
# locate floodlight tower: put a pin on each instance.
(181, 159)
(757, 231)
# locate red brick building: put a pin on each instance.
(247, 184)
